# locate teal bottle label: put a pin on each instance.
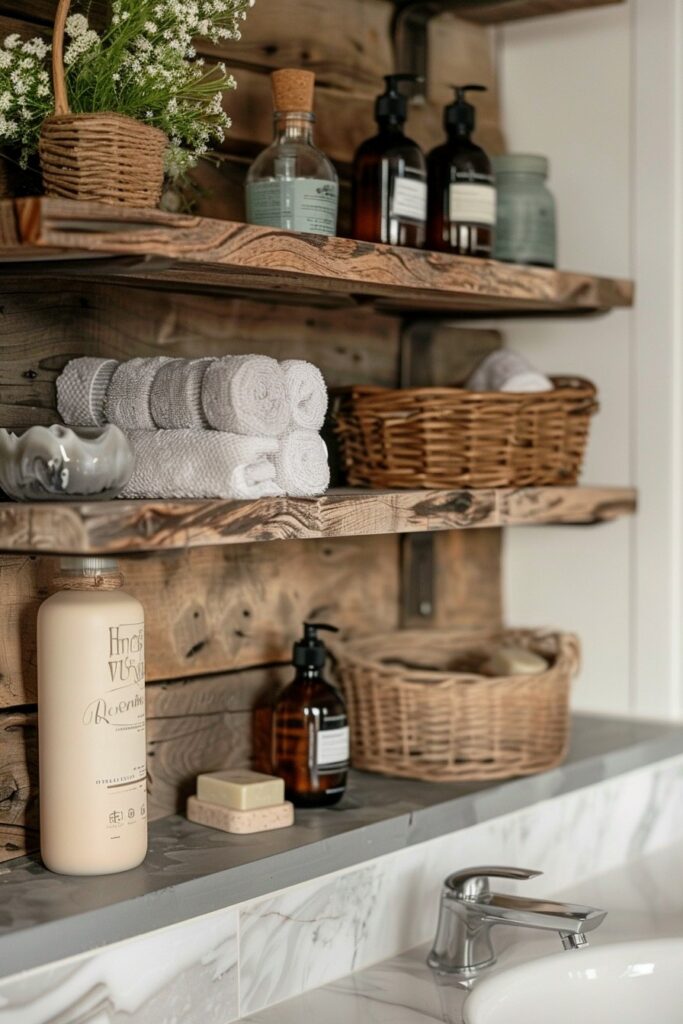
(295, 204)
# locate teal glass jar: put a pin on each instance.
(526, 229)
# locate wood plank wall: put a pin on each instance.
(220, 623)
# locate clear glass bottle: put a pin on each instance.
(526, 225)
(310, 739)
(292, 184)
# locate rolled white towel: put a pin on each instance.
(306, 392)
(246, 395)
(128, 397)
(505, 370)
(303, 469)
(201, 464)
(81, 390)
(176, 395)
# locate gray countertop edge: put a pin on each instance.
(140, 901)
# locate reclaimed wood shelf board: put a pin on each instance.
(123, 527)
(494, 12)
(153, 248)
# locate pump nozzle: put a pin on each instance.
(461, 115)
(392, 105)
(311, 651)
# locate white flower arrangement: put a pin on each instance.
(144, 66)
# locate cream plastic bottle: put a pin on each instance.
(91, 718)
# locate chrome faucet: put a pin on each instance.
(469, 910)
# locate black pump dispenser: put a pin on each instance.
(460, 116)
(310, 651)
(392, 106)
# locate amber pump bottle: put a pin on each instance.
(462, 195)
(310, 729)
(390, 176)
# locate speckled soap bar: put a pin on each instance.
(240, 790)
(262, 819)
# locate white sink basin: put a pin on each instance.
(627, 983)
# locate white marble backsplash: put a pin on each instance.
(238, 961)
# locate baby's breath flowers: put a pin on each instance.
(144, 65)
(25, 95)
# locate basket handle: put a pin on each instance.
(58, 73)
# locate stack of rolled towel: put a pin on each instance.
(238, 427)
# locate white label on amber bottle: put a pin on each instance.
(332, 749)
(409, 199)
(472, 204)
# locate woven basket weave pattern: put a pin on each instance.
(449, 437)
(105, 158)
(439, 726)
(4, 179)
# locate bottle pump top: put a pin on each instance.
(460, 115)
(310, 651)
(392, 105)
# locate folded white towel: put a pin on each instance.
(81, 389)
(303, 469)
(176, 395)
(128, 397)
(246, 395)
(201, 464)
(306, 393)
(505, 370)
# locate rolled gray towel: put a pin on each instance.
(506, 370)
(246, 395)
(81, 390)
(306, 393)
(303, 469)
(176, 395)
(128, 397)
(201, 464)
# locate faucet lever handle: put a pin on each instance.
(472, 883)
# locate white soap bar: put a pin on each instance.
(515, 661)
(240, 790)
(262, 819)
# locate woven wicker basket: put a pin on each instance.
(449, 437)
(103, 157)
(412, 715)
(4, 179)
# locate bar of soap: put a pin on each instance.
(515, 661)
(240, 790)
(263, 819)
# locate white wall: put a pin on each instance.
(594, 90)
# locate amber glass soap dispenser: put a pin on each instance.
(462, 194)
(310, 729)
(390, 176)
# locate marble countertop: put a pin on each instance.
(192, 870)
(644, 900)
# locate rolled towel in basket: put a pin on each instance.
(128, 397)
(246, 395)
(81, 390)
(505, 370)
(306, 393)
(176, 395)
(201, 464)
(303, 469)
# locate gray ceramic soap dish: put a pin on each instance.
(57, 463)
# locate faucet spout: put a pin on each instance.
(469, 910)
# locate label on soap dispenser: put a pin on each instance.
(332, 749)
(472, 204)
(409, 199)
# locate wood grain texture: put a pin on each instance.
(216, 611)
(231, 255)
(124, 527)
(67, 320)
(493, 12)
(18, 784)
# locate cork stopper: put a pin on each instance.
(293, 90)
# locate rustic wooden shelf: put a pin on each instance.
(153, 248)
(493, 12)
(122, 527)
